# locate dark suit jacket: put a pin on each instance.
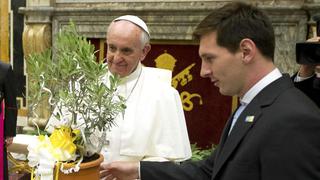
(282, 142)
(8, 94)
(310, 87)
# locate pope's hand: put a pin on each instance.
(119, 171)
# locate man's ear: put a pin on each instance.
(145, 51)
(248, 49)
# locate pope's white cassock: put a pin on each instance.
(153, 126)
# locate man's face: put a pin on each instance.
(125, 49)
(221, 66)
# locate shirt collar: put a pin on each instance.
(134, 75)
(269, 78)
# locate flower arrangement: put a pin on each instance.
(83, 98)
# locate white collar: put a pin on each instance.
(134, 75)
(254, 90)
(128, 84)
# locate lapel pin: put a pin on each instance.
(249, 119)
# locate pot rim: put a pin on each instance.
(86, 164)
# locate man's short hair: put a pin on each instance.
(236, 21)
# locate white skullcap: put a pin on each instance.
(135, 20)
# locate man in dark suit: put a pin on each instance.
(8, 94)
(273, 135)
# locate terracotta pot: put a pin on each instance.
(88, 171)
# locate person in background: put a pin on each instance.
(308, 78)
(8, 103)
(273, 135)
(153, 126)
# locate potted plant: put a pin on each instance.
(200, 153)
(84, 99)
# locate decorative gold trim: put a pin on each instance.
(18, 166)
(101, 49)
(165, 61)
(4, 31)
(22, 111)
(234, 103)
(36, 38)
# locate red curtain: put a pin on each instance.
(206, 110)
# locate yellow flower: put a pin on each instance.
(62, 142)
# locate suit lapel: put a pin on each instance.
(224, 135)
(240, 129)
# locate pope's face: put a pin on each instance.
(125, 48)
(221, 66)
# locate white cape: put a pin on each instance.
(154, 123)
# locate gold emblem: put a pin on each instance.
(167, 61)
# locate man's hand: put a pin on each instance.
(8, 141)
(119, 171)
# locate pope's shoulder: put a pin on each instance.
(158, 79)
(158, 75)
